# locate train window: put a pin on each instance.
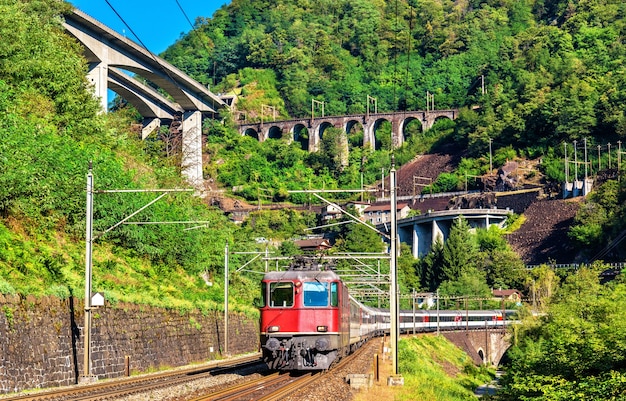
(281, 294)
(315, 293)
(334, 294)
(263, 294)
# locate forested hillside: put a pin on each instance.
(552, 71)
(530, 78)
(50, 131)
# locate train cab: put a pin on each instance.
(304, 324)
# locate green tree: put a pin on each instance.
(358, 237)
(471, 282)
(334, 151)
(459, 251)
(408, 272)
(503, 267)
(541, 283)
(430, 267)
(577, 348)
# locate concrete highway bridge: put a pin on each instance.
(112, 57)
(421, 232)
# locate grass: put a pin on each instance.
(433, 370)
(54, 266)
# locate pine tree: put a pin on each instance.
(459, 252)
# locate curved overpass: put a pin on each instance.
(110, 54)
(422, 231)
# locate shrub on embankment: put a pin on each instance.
(435, 369)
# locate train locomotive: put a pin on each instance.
(309, 320)
(305, 318)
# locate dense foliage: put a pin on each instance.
(50, 132)
(575, 351)
(599, 224)
(551, 71)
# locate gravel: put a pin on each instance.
(333, 387)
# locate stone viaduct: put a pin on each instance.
(485, 347)
(293, 129)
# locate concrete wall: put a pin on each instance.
(41, 340)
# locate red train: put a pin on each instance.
(308, 319)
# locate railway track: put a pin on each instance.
(266, 388)
(124, 387)
(277, 386)
(271, 387)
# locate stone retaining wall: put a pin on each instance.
(41, 340)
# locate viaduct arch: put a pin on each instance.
(370, 122)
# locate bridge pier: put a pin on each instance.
(98, 75)
(191, 163)
(149, 125)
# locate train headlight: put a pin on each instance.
(322, 329)
(272, 344)
(321, 344)
(273, 329)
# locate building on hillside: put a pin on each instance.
(313, 244)
(508, 295)
(330, 212)
(381, 213)
(359, 207)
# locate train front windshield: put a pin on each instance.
(281, 294)
(316, 294)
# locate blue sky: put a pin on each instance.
(157, 23)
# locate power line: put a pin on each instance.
(128, 26)
(154, 57)
(185, 14)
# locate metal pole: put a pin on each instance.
(467, 313)
(437, 311)
(88, 265)
(585, 142)
(599, 158)
(490, 159)
(566, 165)
(226, 300)
(393, 269)
(575, 163)
(413, 311)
